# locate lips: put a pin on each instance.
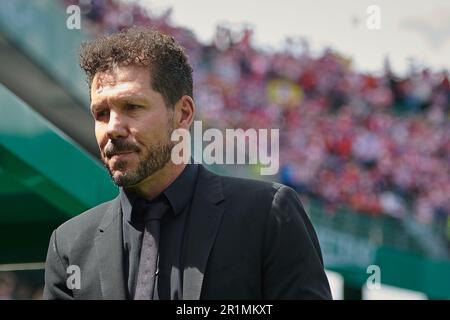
(120, 154)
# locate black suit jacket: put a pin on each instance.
(246, 239)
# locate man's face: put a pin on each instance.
(132, 124)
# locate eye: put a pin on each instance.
(100, 114)
(132, 107)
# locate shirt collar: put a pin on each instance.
(178, 193)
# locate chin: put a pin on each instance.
(121, 180)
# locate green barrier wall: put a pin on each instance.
(45, 178)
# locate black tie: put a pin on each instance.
(152, 214)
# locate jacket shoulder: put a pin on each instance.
(245, 186)
(251, 195)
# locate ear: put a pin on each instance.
(184, 112)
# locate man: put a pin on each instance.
(175, 231)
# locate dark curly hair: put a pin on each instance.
(171, 73)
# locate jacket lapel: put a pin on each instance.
(204, 221)
(108, 244)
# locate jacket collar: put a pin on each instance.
(108, 244)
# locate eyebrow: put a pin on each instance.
(125, 98)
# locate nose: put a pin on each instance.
(116, 126)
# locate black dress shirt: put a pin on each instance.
(169, 279)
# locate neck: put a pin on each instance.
(153, 185)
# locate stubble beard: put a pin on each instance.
(154, 159)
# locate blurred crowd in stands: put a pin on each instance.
(379, 144)
(21, 285)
